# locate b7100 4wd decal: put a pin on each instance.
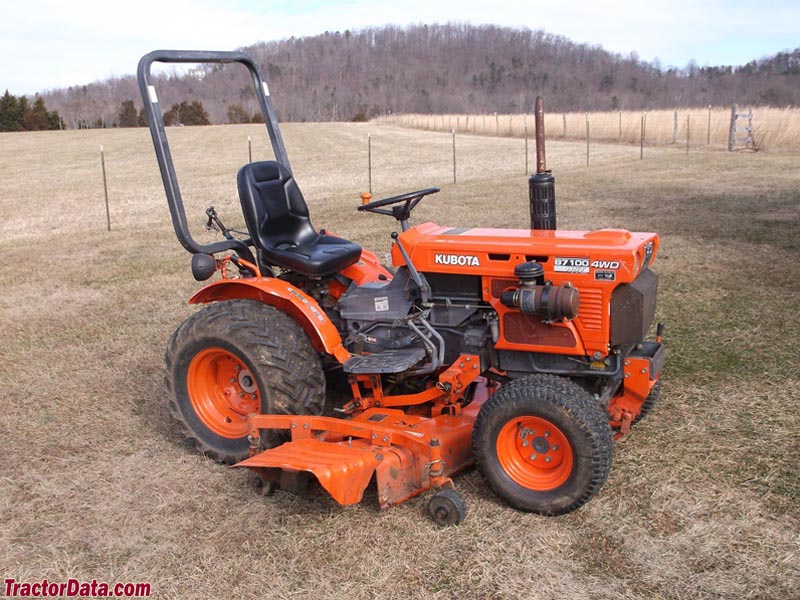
(611, 265)
(571, 265)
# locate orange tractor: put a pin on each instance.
(521, 350)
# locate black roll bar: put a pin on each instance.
(163, 154)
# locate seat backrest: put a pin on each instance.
(274, 209)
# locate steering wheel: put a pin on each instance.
(401, 213)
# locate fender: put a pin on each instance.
(297, 304)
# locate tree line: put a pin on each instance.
(183, 113)
(452, 68)
(18, 114)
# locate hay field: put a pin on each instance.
(773, 128)
(702, 500)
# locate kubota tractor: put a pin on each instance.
(521, 350)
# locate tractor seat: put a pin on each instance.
(277, 218)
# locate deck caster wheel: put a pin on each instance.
(447, 507)
(261, 486)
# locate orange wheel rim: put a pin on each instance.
(534, 453)
(222, 391)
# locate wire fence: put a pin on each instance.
(773, 128)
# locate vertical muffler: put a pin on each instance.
(542, 185)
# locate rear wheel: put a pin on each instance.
(235, 358)
(543, 444)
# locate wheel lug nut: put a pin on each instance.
(555, 448)
(524, 444)
(233, 379)
(241, 394)
(533, 457)
(548, 458)
(546, 434)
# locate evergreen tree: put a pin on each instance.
(194, 114)
(142, 119)
(9, 116)
(126, 116)
(187, 114)
(55, 120)
(36, 118)
(23, 108)
(173, 115)
(237, 114)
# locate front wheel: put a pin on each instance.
(235, 358)
(543, 444)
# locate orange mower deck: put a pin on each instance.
(407, 453)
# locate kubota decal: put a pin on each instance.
(461, 260)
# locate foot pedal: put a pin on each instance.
(388, 361)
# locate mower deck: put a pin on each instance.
(407, 453)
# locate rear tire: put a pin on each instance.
(543, 444)
(238, 357)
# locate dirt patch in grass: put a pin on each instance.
(702, 501)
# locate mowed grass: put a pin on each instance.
(96, 483)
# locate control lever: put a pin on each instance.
(214, 223)
(416, 276)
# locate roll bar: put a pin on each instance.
(163, 154)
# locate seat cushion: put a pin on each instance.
(277, 219)
(324, 256)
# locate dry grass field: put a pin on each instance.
(95, 483)
(773, 128)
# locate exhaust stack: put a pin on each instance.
(542, 188)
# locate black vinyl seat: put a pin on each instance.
(277, 218)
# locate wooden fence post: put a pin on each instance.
(526, 144)
(732, 132)
(369, 160)
(641, 140)
(454, 155)
(105, 187)
(687, 134)
(564, 130)
(249, 149)
(587, 139)
(675, 128)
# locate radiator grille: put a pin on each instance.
(591, 309)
